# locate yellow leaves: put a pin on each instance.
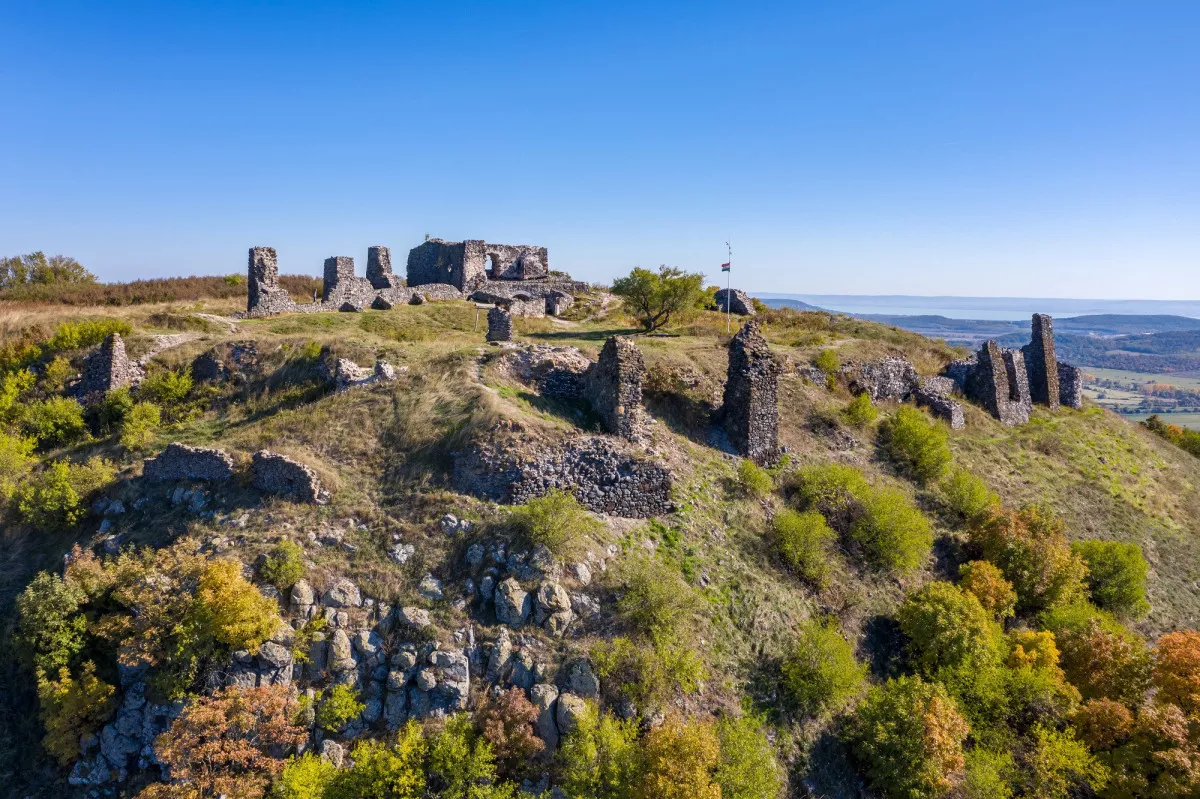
(944, 730)
(234, 612)
(1177, 669)
(72, 708)
(1033, 649)
(680, 759)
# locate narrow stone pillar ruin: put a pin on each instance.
(379, 268)
(750, 412)
(105, 369)
(1041, 362)
(613, 386)
(264, 295)
(998, 382)
(339, 271)
(1070, 386)
(499, 325)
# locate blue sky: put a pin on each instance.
(972, 148)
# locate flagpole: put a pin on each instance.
(728, 283)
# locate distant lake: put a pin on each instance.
(1010, 309)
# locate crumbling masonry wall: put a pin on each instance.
(1070, 385)
(343, 287)
(499, 324)
(105, 369)
(265, 296)
(613, 386)
(750, 412)
(463, 264)
(379, 268)
(1041, 362)
(181, 462)
(273, 473)
(997, 381)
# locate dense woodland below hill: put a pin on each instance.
(892, 609)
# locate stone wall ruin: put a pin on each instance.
(1041, 364)
(750, 412)
(273, 473)
(613, 386)
(181, 462)
(464, 264)
(379, 268)
(105, 369)
(739, 302)
(499, 324)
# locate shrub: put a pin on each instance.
(754, 480)
(1177, 669)
(679, 758)
(967, 497)
(806, 543)
(908, 736)
(747, 768)
(227, 743)
(86, 333)
(387, 771)
(54, 421)
(338, 707)
(834, 489)
(73, 708)
(556, 521)
(139, 425)
(460, 760)
(50, 627)
(56, 374)
(1031, 549)
(12, 386)
(650, 674)
(656, 600)
(16, 458)
(861, 411)
(1059, 766)
(827, 361)
(947, 629)
(988, 774)
(56, 496)
(598, 759)
(283, 566)
(507, 724)
(986, 582)
(233, 611)
(166, 388)
(308, 776)
(892, 533)
(916, 443)
(113, 409)
(1100, 657)
(1116, 577)
(821, 673)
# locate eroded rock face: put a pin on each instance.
(513, 604)
(750, 412)
(738, 302)
(182, 462)
(545, 698)
(278, 474)
(570, 708)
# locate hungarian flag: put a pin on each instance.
(724, 267)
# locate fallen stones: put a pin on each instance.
(182, 462)
(750, 412)
(889, 378)
(278, 474)
(236, 361)
(933, 393)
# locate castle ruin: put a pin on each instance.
(105, 369)
(613, 386)
(1041, 363)
(750, 411)
(499, 324)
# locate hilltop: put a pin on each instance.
(404, 417)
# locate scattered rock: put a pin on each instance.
(513, 604)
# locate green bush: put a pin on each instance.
(55, 375)
(12, 386)
(806, 542)
(54, 421)
(947, 629)
(821, 673)
(989, 774)
(908, 736)
(308, 776)
(166, 388)
(113, 409)
(338, 707)
(827, 361)
(283, 566)
(649, 674)
(556, 521)
(16, 458)
(139, 426)
(460, 759)
(86, 333)
(1116, 576)
(891, 532)
(56, 496)
(754, 480)
(657, 601)
(384, 770)
(861, 411)
(916, 443)
(598, 759)
(747, 768)
(72, 708)
(833, 489)
(1031, 548)
(50, 627)
(967, 497)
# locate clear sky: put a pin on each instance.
(976, 148)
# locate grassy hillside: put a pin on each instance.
(385, 452)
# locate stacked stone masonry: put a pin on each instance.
(500, 324)
(464, 264)
(613, 386)
(379, 268)
(107, 368)
(1041, 364)
(181, 462)
(740, 304)
(273, 473)
(750, 411)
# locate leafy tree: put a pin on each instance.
(55, 375)
(988, 774)
(37, 268)
(460, 760)
(655, 298)
(387, 771)
(308, 776)
(1103, 724)
(1031, 548)
(833, 489)
(113, 409)
(338, 707)
(891, 531)
(861, 411)
(56, 496)
(228, 743)
(968, 497)
(754, 480)
(73, 708)
(599, 758)
(918, 444)
(1177, 669)
(139, 426)
(1116, 577)
(821, 673)
(283, 566)
(986, 582)
(507, 723)
(806, 542)
(947, 629)
(50, 627)
(1058, 765)
(1100, 657)
(908, 736)
(54, 421)
(556, 521)
(1151, 754)
(747, 768)
(16, 458)
(680, 758)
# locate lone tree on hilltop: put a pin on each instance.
(655, 298)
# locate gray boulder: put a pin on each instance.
(513, 604)
(545, 699)
(570, 708)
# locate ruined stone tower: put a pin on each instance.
(105, 369)
(1041, 363)
(613, 386)
(379, 268)
(750, 412)
(499, 324)
(264, 294)
(998, 382)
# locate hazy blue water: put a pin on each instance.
(998, 308)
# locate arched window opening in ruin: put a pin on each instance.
(489, 267)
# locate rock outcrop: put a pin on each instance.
(738, 302)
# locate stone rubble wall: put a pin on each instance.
(889, 378)
(182, 462)
(599, 472)
(1070, 385)
(750, 411)
(995, 379)
(105, 369)
(273, 473)
(557, 302)
(463, 264)
(933, 393)
(265, 297)
(500, 324)
(1041, 363)
(741, 304)
(379, 268)
(613, 386)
